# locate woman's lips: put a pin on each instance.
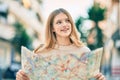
(64, 29)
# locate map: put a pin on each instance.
(70, 66)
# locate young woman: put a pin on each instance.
(61, 36)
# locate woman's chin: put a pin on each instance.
(65, 35)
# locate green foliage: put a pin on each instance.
(96, 13)
(21, 38)
(78, 24)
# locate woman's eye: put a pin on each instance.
(59, 22)
(67, 20)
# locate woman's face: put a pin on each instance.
(62, 25)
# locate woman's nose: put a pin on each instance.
(64, 23)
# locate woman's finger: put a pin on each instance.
(18, 76)
(21, 75)
(100, 76)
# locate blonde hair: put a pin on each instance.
(50, 36)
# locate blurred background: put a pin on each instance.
(22, 24)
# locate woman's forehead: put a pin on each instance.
(60, 16)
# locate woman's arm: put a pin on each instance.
(21, 75)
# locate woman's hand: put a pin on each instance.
(100, 76)
(20, 75)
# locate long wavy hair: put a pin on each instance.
(50, 38)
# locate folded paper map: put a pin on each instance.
(70, 66)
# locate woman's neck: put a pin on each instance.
(63, 41)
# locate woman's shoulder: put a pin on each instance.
(84, 49)
(41, 49)
(44, 51)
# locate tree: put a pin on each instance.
(21, 38)
(96, 13)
